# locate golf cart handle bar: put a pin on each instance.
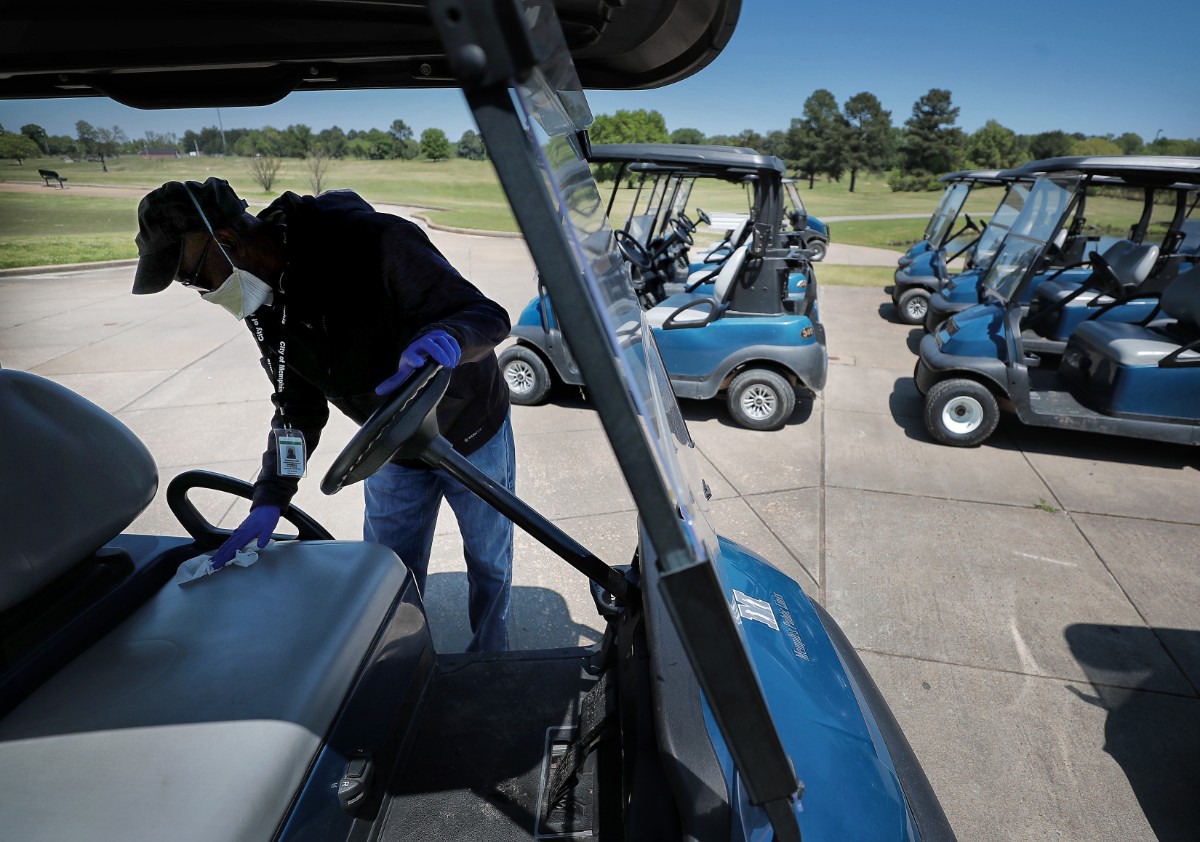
(442, 455)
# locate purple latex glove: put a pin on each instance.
(437, 344)
(260, 523)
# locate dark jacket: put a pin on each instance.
(358, 287)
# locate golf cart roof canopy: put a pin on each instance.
(982, 176)
(1165, 169)
(255, 52)
(692, 156)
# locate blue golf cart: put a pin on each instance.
(1064, 261)
(920, 269)
(745, 327)
(301, 698)
(1123, 377)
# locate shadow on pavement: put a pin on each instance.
(1153, 736)
(539, 617)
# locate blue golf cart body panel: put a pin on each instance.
(792, 648)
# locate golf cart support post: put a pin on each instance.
(487, 52)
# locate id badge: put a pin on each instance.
(289, 450)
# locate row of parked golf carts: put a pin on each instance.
(1077, 306)
(737, 318)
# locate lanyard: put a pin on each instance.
(277, 371)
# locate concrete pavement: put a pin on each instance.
(1028, 607)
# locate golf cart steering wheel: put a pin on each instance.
(403, 425)
(633, 251)
(970, 222)
(703, 216)
(684, 231)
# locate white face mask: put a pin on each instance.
(241, 294)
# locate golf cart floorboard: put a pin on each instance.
(475, 768)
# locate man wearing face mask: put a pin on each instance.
(345, 303)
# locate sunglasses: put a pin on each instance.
(190, 280)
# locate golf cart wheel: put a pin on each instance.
(819, 249)
(961, 413)
(912, 306)
(760, 400)
(527, 376)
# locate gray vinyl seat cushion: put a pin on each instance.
(71, 477)
(1146, 345)
(197, 718)
(698, 311)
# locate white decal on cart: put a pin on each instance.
(749, 608)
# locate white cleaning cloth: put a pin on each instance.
(201, 565)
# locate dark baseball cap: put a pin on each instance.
(167, 215)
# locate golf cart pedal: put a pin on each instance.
(597, 710)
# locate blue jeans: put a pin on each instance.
(401, 513)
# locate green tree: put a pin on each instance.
(297, 141)
(749, 139)
(434, 144)
(637, 126)
(932, 143)
(470, 146)
(1095, 146)
(1130, 143)
(333, 141)
(1052, 144)
(100, 143)
(405, 146)
(868, 136)
(818, 139)
(38, 135)
(692, 136)
(18, 147)
(995, 147)
(775, 143)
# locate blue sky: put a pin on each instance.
(1092, 66)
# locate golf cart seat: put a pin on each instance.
(136, 708)
(692, 308)
(720, 252)
(1119, 367)
(1132, 266)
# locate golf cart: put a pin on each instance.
(920, 269)
(1065, 261)
(746, 329)
(1131, 379)
(300, 697)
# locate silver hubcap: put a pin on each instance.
(519, 376)
(916, 307)
(759, 402)
(962, 415)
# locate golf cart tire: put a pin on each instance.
(909, 303)
(759, 399)
(527, 375)
(961, 412)
(818, 248)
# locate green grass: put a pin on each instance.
(56, 226)
(832, 274)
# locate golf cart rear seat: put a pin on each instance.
(685, 308)
(1113, 364)
(199, 714)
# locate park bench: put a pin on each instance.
(51, 175)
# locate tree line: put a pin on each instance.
(827, 139)
(296, 141)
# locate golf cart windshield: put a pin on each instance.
(1040, 218)
(946, 212)
(1001, 222)
(533, 123)
(791, 199)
